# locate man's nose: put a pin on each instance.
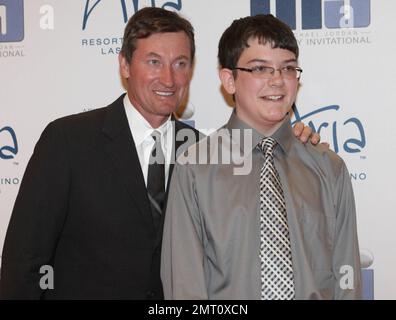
(167, 76)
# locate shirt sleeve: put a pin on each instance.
(346, 257)
(182, 258)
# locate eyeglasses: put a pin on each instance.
(264, 72)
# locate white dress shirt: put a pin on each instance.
(141, 132)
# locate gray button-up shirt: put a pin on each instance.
(211, 235)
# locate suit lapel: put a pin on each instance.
(121, 149)
(175, 147)
(179, 145)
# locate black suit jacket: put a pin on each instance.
(83, 209)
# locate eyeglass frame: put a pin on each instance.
(251, 70)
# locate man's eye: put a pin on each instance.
(181, 64)
(154, 62)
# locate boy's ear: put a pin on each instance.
(227, 80)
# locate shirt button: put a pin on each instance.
(150, 294)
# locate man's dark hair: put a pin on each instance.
(151, 20)
(265, 28)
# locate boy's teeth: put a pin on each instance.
(274, 97)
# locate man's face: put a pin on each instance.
(263, 103)
(158, 75)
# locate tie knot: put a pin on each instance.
(156, 152)
(156, 136)
(267, 146)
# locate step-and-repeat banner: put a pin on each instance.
(60, 57)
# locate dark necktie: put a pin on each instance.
(156, 179)
(275, 253)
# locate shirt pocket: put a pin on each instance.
(318, 232)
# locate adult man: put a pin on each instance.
(286, 228)
(83, 206)
(90, 202)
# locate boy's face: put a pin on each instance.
(262, 103)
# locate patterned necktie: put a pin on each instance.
(156, 179)
(275, 253)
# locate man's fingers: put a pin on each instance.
(298, 129)
(315, 139)
(306, 134)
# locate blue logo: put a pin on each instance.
(9, 151)
(368, 284)
(11, 21)
(351, 145)
(366, 261)
(133, 4)
(337, 13)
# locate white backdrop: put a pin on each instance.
(60, 57)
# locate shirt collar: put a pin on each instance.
(140, 127)
(283, 136)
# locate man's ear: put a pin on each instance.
(124, 66)
(227, 80)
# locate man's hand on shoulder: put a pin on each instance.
(305, 134)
